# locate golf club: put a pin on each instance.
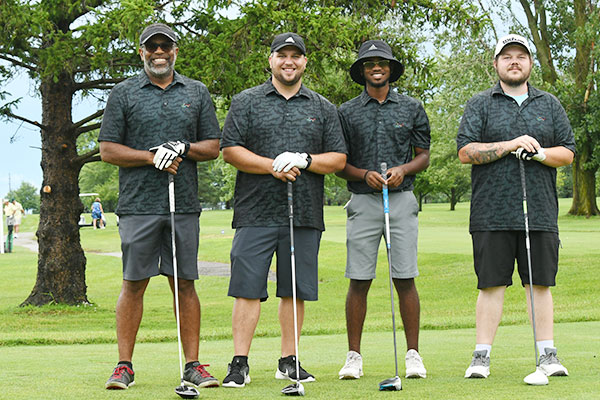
(295, 389)
(391, 384)
(537, 377)
(183, 391)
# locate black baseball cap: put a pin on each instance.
(288, 39)
(158, 29)
(375, 48)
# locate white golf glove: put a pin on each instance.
(522, 154)
(167, 152)
(288, 160)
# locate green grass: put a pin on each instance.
(42, 346)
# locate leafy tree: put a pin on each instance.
(72, 48)
(27, 195)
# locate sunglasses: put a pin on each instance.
(373, 64)
(165, 46)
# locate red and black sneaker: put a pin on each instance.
(121, 378)
(198, 376)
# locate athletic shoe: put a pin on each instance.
(353, 367)
(414, 365)
(287, 370)
(237, 374)
(121, 378)
(198, 376)
(480, 365)
(550, 364)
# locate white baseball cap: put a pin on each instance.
(511, 39)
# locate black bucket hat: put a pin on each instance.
(375, 48)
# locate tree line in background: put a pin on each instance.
(73, 49)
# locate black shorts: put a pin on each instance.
(494, 255)
(251, 254)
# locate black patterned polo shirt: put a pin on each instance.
(142, 115)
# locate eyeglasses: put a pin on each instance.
(165, 46)
(373, 64)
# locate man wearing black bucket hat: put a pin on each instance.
(274, 133)
(155, 124)
(381, 125)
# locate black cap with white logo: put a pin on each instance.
(288, 39)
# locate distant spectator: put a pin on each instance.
(9, 211)
(18, 215)
(97, 213)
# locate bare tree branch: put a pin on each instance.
(90, 156)
(87, 128)
(97, 84)
(18, 62)
(87, 119)
(14, 116)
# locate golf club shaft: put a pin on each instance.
(293, 262)
(386, 213)
(175, 279)
(528, 247)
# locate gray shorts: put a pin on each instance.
(251, 254)
(365, 228)
(146, 245)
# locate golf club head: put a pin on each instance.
(295, 389)
(537, 378)
(391, 384)
(187, 392)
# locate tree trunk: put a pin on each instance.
(584, 188)
(61, 261)
(453, 199)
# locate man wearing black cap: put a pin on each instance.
(275, 133)
(158, 123)
(381, 125)
(514, 117)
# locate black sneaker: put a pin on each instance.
(121, 378)
(237, 373)
(287, 370)
(198, 376)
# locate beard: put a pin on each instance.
(379, 84)
(287, 82)
(516, 81)
(162, 71)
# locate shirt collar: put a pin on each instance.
(144, 80)
(270, 88)
(391, 96)
(531, 91)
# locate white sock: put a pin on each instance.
(486, 347)
(542, 344)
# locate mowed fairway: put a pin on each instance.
(59, 352)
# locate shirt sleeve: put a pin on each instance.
(421, 134)
(563, 133)
(333, 137)
(113, 126)
(208, 126)
(236, 124)
(471, 124)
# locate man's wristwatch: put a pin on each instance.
(308, 161)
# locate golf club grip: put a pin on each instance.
(171, 194)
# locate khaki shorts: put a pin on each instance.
(365, 228)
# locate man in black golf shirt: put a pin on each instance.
(381, 125)
(277, 132)
(514, 117)
(158, 123)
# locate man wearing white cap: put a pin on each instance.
(514, 118)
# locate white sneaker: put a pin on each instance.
(550, 364)
(353, 367)
(414, 365)
(480, 365)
